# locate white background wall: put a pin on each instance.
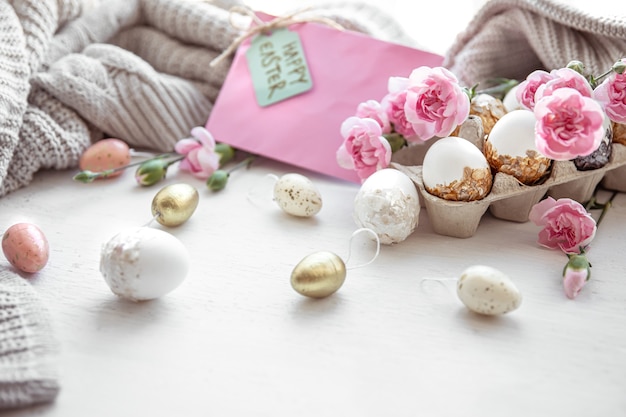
(433, 24)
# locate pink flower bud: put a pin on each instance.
(575, 275)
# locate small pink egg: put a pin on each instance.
(26, 247)
(105, 154)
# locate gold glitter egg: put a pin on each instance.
(489, 109)
(454, 169)
(619, 133)
(318, 275)
(174, 204)
(510, 148)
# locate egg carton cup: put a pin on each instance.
(509, 199)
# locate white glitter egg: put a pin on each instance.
(510, 148)
(486, 290)
(296, 195)
(388, 204)
(143, 263)
(455, 169)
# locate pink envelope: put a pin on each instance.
(346, 68)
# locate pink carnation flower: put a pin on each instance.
(200, 156)
(611, 95)
(393, 103)
(364, 149)
(564, 78)
(526, 90)
(566, 224)
(435, 102)
(568, 125)
(374, 110)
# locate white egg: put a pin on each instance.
(388, 204)
(143, 263)
(514, 134)
(455, 169)
(510, 100)
(510, 147)
(486, 290)
(296, 195)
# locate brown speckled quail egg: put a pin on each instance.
(455, 169)
(486, 290)
(510, 148)
(296, 195)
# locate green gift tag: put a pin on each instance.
(278, 67)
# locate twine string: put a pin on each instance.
(262, 27)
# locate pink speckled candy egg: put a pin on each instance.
(25, 247)
(105, 154)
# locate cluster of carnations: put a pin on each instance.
(429, 103)
(199, 155)
(569, 107)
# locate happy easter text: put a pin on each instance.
(283, 67)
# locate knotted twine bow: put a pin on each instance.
(262, 27)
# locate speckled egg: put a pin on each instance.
(296, 195)
(143, 263)
(26, 247)
(388, 204)
(454, 169)
(486, 290)
(510, 148)
(105, 154)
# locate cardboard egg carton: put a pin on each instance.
(509, 199)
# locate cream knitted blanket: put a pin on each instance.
(511, 38)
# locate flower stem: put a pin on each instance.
(87, 176)
(605, 208)
(245, 162)
(503, 85)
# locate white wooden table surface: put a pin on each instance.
(234, 339)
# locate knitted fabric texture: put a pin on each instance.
(28, 350)
(75, 71)
(512, 38)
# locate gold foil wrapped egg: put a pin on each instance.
(174, 204)
(619, 133)
(510, 148)
(318, 275)
(454, 169)
(489, 109)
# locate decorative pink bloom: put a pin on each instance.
(566, 224)
(575, 275)
(435, 103)
(611, 95)
(568, 125)
(393, 103)
(364, 149)
(374, 110)
(564, 78)
(200, 156)
(526, 90)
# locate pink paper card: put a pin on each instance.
(302, 128)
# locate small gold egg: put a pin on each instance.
(174, 204)
(318, 275)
